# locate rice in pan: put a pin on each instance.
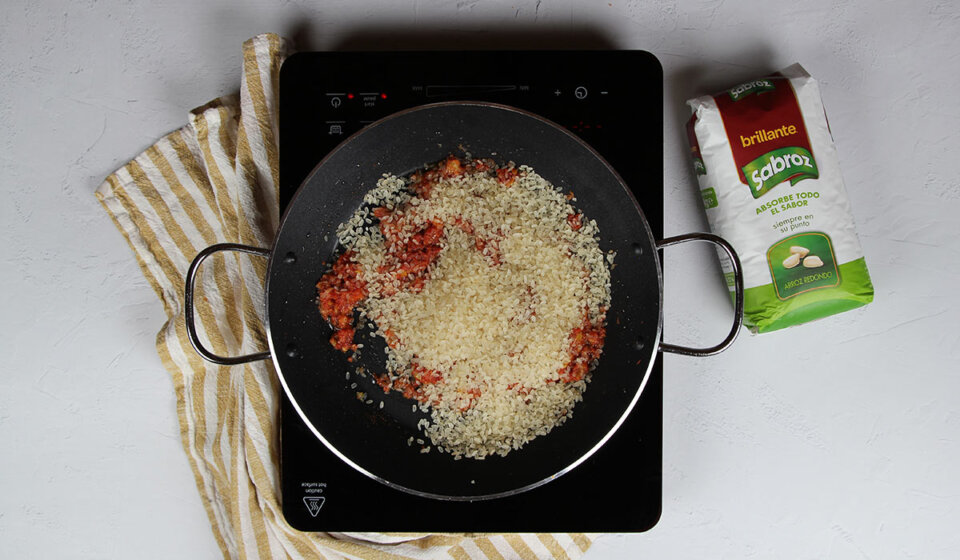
(490, 290)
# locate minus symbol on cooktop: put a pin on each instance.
(603, 93)
(335, 94)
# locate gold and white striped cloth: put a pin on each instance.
(213, 181)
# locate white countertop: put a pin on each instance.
(838, 439)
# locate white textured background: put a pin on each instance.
(839, 439)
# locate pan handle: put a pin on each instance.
(188, 304)
(738, 290)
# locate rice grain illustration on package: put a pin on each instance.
(770, 179)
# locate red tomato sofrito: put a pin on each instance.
(586, 344)
(410, 386)
(409, 255)
(338, 294)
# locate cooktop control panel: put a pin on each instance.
(606, 97)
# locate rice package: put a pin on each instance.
(770, 179)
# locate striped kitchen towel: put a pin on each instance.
(214, 181)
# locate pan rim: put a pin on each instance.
(651, 351)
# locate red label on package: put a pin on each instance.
(767, 134)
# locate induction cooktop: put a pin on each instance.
(613, 101)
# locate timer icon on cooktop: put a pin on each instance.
(580, 92)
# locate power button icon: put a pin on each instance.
(580, 92)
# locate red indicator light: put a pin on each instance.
(349, 96)
(383, 96)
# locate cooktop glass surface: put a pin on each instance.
(613, 101)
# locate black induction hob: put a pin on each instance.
(613, 100)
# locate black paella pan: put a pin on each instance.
(377, 441)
